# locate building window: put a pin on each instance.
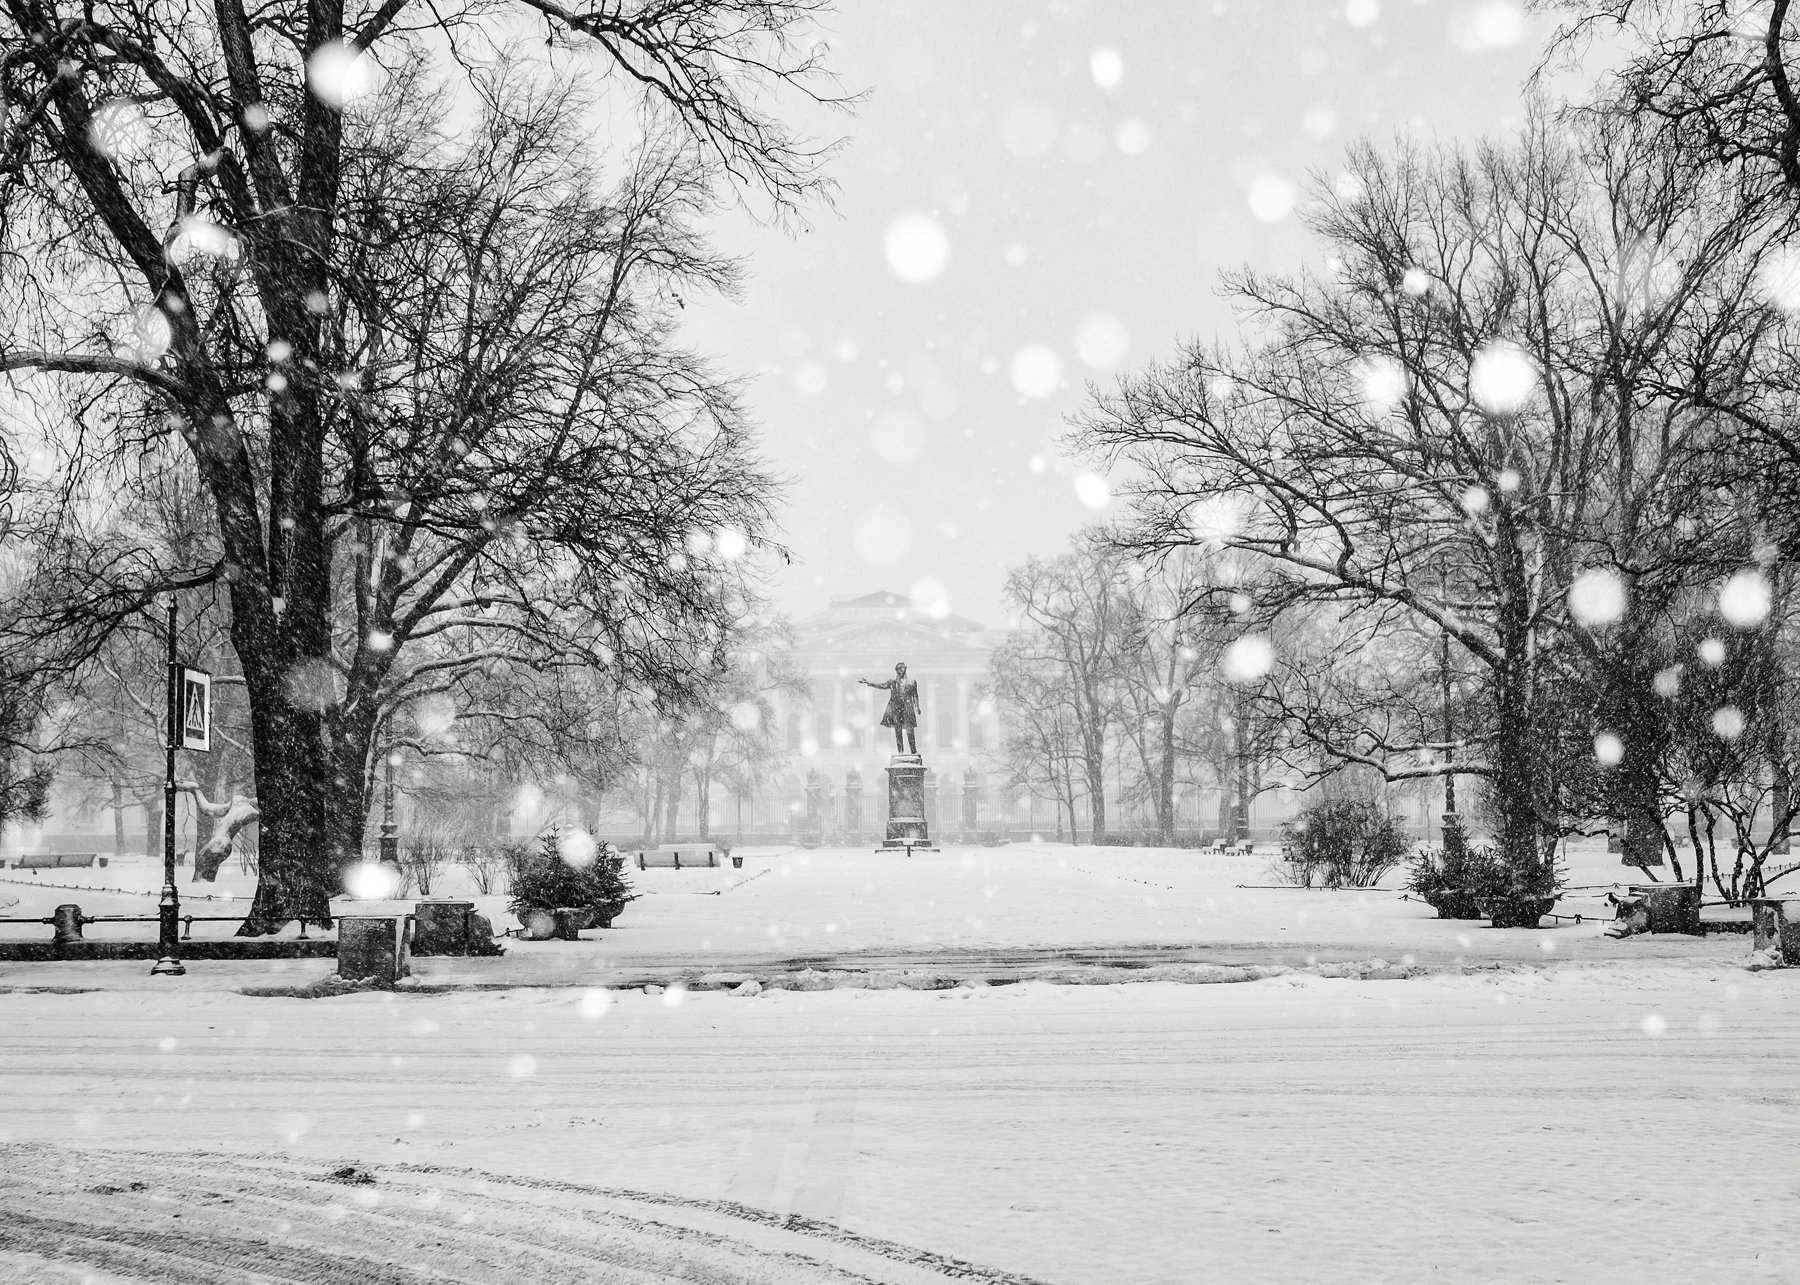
(977, 731)
(795, 728)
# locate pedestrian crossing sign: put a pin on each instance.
(196, 709)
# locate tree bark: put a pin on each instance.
(153, 825)
(1165, 781)
(118, 811)
(297, 876)
(1517, 788)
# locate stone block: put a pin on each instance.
(441, 927)
(375, 946)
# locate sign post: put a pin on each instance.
(169, 908)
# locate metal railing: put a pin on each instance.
(68, 927)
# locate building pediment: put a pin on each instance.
(900, 637)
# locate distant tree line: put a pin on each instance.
(1116, 685)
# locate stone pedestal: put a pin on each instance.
(441, 927)
(906, 827)
(378, 946)
(444, 926)
(1673, 907)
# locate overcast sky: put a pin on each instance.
(1035, 196)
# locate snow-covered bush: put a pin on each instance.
(542, 879)
(1344, 843)
(1457, 878)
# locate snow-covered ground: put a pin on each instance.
(1577, 1123)
(1600, 1111)
(788, 903)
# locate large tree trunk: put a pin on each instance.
(298, 868)
(1517, 789)
(118, 811)
(1165, 781)
(1093, 765)
(703, 802)
(350, 790)
(297, 876)
(672, 811)
(1640, 799)
(153, 825)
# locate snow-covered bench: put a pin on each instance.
(58, 861)
(678, 856)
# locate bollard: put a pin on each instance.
(67, 923)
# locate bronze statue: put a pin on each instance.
(902, 712)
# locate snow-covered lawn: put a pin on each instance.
(1576, 1122)
(1566, 1108)
(787, 903)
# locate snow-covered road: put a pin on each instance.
(1583, 1122)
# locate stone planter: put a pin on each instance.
(1453, 903)
(1673, 907)
(1516, 911)
(441, 927)
(602, 915)
(543, 923)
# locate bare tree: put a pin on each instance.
(735, 734)
(1488, 401)
(1074, 617)
(1172, 637)
(1712, 77)
(1041, 748)
(251, 313)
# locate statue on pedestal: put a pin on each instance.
(907, 826)
(902, 712)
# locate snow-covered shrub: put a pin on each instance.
(542, 880)
(1457, 878)
(421, 857)
(485, 864)
(1344, 843)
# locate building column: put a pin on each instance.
(962, 711)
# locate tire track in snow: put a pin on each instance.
(263, 1219)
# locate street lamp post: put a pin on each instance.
(390, 837)
(1453, 835)
(169, 908)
